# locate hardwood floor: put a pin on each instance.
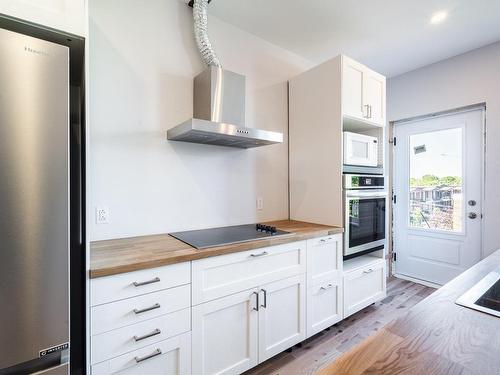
(323, 348)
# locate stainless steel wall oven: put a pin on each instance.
(365, 214)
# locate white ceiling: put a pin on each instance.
(391, 36)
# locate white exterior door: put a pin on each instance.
(225, 334)
(282, 315)
(438, 189)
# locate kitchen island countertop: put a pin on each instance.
(117, 256)
(436, 336)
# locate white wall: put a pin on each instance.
(142, 61)
(460, 81)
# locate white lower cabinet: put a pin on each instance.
(225, 334)
(324, 305)
(282, 316)
(168, 357)
(232, 334)
(364, 285)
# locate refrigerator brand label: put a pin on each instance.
(53, 349)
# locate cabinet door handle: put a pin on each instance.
(370, 270)
(265, 299)
(155, 306)
(148, 335)
(370, 113)
(152, 355)
(325, 239)
(256, 308)
(259, 255)
(326, 287)
(366, 109)
(142, 283)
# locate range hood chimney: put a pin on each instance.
(219, 101)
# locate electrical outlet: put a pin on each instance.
(260, 203)
(102, 215)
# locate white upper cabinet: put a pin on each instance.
(64, 15)
(352, 96)
(363, 93)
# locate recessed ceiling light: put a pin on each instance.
(439, 17)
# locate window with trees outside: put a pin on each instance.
(436, 199)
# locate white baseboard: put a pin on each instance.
(418, 281)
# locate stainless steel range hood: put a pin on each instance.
(219, 114)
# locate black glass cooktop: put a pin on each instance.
(205, 238)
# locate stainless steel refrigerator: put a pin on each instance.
(34, 205)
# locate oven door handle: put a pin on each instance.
(366, 194)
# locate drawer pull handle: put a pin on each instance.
(155, 306)
(368, 270)
(259, 255)
(325, 239)
(326, 287)
(152, 355)
(155, 280)
(148, 335)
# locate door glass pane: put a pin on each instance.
(436, 198)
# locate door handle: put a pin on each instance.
(367, 108)
(265, 299)
(152, 355)
(472, 215)
(155, 306)
(256, 308)
(142, 283)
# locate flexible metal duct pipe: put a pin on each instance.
(200, 14)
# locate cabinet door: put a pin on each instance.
(352, 89)
(324, 258)
(169, 357)
(364, 286)
(225, 334)
(282, 316)
(324, 305)
(64, 15)
(374, 96)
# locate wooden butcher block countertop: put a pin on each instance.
(112, 257)
(436, 337)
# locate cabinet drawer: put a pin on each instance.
(169, 357)
(364, 286)
(324, 258)
(133, 310)
(131, 284)
(324, 305)
(226, 274)
(114, 343)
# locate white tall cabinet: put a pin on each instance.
(340, 94)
